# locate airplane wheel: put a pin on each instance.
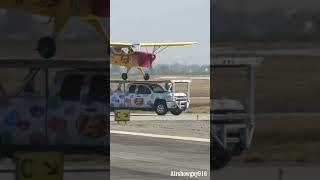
(146, 76)
(47, 47)
(124, 76)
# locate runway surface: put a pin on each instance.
(72, 171)
(267, 172)
(154, 116)
(138, 157)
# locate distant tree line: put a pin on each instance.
(169, 69)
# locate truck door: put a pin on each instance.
(143, 97)
(129, 99)
(23, 120)
(63, 109)
(92, 120)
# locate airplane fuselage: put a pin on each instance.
(134, 59)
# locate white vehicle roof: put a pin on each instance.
(226, 104)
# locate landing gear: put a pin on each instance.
(124, 76)
(146, 76)
(47, 47)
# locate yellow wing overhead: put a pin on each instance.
(167, 44)
(119, 44)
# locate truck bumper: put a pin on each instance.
(183, 105)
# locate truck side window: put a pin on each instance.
(98, 89)
(71, 87)
(132, 89)
(143, 90)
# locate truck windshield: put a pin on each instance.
(156, 88)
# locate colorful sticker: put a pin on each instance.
(128, 101)
(138, 101)
(11, 118)
(92, 126)
(150, 103)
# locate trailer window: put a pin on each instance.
(132, 89)
(98, 88)
(71, 87)
(156, 88)
(143, 90)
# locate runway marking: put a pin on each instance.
(161, 136)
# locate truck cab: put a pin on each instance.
(158, 96)
(66, 109)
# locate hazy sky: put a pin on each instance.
(164, 21)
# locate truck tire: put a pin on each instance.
(160, 108)
(219, 156)
(176, 111)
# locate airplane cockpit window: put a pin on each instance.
(119, 50)
(71, 87)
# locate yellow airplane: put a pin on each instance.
(130, 55)
(60, 11)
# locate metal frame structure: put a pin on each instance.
(250, 63)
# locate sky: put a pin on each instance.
(164, 21)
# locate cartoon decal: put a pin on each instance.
(128, 101)
(138, 101)
(120, 99)
(92, 126)
(11, 118)
(150, 103)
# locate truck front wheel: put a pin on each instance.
(161, 108)
(176, 111)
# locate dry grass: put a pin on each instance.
(285, 139)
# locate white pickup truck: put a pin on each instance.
(158, 96)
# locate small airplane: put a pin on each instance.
(130, 55)
(60, 11)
